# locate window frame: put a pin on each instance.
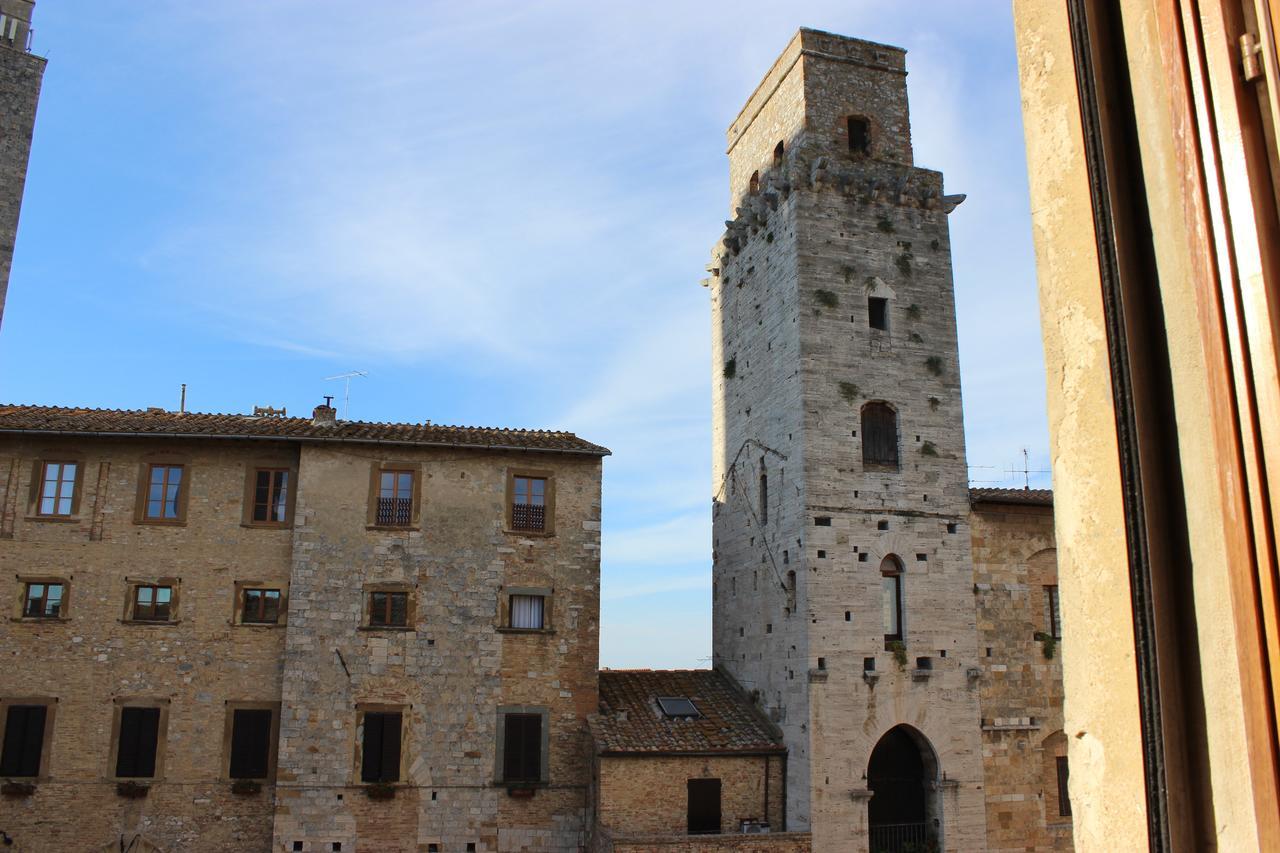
(228, 739)
(130, 609)
(140, 515)
(411, 606)
(869, 464)
(549, 501)
(897, 571)
(242, 588)
(363, 709)
(25, 581)
(505, 609)
(119, 704)
(415, 494)
(39, 466)
(544, 754)
(50, 704)
(250, 493)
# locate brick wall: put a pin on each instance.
(1014, 560)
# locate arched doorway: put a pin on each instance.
(902, 775)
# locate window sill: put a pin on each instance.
(395, 528)
(267, 525)
(279, 624)
(399, 628)
(536, 534)
(509, 630)
(160, 522)
(155, 622)
(55, 519)
(507, 783)
(41, 620)
(880, 468)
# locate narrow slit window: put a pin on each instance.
(878, 313)
(1064, 796)
(754, 186)
(778, 151)
(764, 498)
(1053, 617)
(891, 598)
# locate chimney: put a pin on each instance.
(325, 414)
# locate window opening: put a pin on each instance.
(261, 606)
(395, 499)
(704, 806)
(1053, 618)
(23, 740)
(878, 312)
(163, 489)
(250, 743)
(152, 603)
(527, 611)
(764, 498)
(678, 706)
(389, 609)
(380, 753)
(529, 503)
(879, 435)
(1064, 794)
(522, 748)
(754, 186)
(891, 583)
(139, 738)
(43, 601)
(859, 135)
(778, 151)
(57, 488)
(270, 495)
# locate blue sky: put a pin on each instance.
(500, 210)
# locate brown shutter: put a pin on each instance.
(250, 743)
(390, 748)
(23, 740)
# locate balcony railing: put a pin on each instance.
(901, 838)
(395, 512)
(528, 517)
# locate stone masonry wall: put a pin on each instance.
(648, 794)
(1015, 558)
(20, 76)
(453, 670)
(790, 284)
(91, 657)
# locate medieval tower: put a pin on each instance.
(844, 590)
(20, 76)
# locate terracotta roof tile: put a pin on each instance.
(630, 720)
(1030, 497)
(105, 422)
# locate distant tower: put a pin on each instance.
(20, 76)
(843, 575)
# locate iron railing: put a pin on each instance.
(395, 512)
(901, 838)
(528, 517)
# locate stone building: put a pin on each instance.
(230, 629)
(20, 75)
(844, 541)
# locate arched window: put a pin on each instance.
(754, 186)
(1057, 799)
(777, 153)
(891, 598)
(879, 436)
(859, 135)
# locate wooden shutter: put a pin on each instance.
(522, 751)
(1064, 798)
(23, 740)
(250, 743)
(380, 758)
(139, 736)
(879, 435)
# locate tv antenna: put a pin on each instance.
(346, 393)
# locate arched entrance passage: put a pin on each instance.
(902, 775)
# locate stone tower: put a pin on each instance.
(20, 76)
(843, 595)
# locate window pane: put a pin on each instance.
(69, 473)
(526, 611)
(388, 484)
(261, 495)
(280, 495)
(145, 594)
(64, 506)
(399, 608)
(46, 505)
(157, 475)
(405, 484)
(53, 600)
(271, 605)
(163, 594)
(377, 608)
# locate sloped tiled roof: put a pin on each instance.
(1027, 497)
(631, 722)
(160, 423)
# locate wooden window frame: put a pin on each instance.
(144, 489)
(364, 708)
(50, 704)
(119, 703)
(38, 468)
(415, 496)
(549, 501)
(238, 605)
(411, 606)
(250, 494)
(876, 464)
(504, 609)
(24, 581)
(174, 585)
(544, 769)
(229, 729)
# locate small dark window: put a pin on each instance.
(23, 740)
(755, 183)
(859, 135)
(139, 737)
(261, 607)
(879, 435)
(1064, 796)
(868, 664)
(42, 601)
(250, 743)
(389, 609)
(878, 312)
(527, 611)
(522, 748)
(1053, 618)
(704, 806)
(164, 490)
(57, 488)
(529, 503)
(297, 845)
(395, 499)
(952, 527)
(778, 151)
(791, 591)
(270, 495)
(152, 603)
(380, 754)
(822, 521)
(764, 498)
(882, 525)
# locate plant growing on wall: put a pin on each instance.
(848, 391)
(934, 403)
(885, 225)
(826, 298)
(1048, 645)
(913, 311)
(928, 449)
(934, 365)
(933, 244)
(848, 272)
(916, 339)
(731, 368)
(903, 263)
(899, 650)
